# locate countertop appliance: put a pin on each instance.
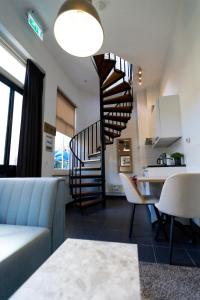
(165, 159)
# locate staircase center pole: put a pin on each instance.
(102, 145)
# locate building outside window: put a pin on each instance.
(65, 126)
(62, 151)
(12, 76)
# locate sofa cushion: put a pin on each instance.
(22, 250)
(28, 201)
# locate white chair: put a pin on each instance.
(180, 197)
(133, 196)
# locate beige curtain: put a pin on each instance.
(65, 115)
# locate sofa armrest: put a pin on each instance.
(58, 228)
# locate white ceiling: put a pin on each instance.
(137, 30)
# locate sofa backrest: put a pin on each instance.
(28, 201)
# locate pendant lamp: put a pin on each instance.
(78, 28)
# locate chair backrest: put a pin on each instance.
(180, 195)
(130, 189)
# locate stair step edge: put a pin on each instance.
(91, 160)
(94, 154)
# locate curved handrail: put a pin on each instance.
(75, 136)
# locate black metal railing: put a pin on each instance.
(83, 146)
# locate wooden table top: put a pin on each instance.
(151, 179)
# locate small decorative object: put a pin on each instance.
(125, 161)
(124, 155)
(49, 143)
(177, 156)
(50, 129)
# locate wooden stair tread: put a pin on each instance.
(98, 59)
(111, 134)
(86, 184)
(90, 198)
(120, 99)
(114, 126)
(90, 176)
(107, 66)
(104, 65)
(122, 87)
(123, 109)
(91, 161)
(88, 169)
(86, 194)
(88, 203)
(117, 118)
(113, 78)
(94, 154)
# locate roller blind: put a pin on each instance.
(65, 115)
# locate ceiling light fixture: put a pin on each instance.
(139, 70)
(78, 28)
(139, 75)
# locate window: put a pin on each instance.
(12, 76)
(65, 124)
(11, 64)
(10, 121)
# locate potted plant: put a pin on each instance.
(177, 156)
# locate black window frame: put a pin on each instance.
(13, 88)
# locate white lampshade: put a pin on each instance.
(78, 28)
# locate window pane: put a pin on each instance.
(17, 111)
(61, 155)
(4, 103)
(12, 65)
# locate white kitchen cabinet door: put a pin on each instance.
(166, 121)
(170, 117)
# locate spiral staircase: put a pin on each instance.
(87, 163)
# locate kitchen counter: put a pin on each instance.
(165, 166)
(162, 170)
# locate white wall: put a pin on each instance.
(182, 76)
(12, 24)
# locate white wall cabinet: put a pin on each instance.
(166, 121)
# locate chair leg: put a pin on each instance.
(194, 240)
(157, 212)
(171, 239)
(164, 228)
(159, 227)
(131, 221)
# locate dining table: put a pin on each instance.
(158, 180)
(154, 179)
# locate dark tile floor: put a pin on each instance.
(112, 224)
